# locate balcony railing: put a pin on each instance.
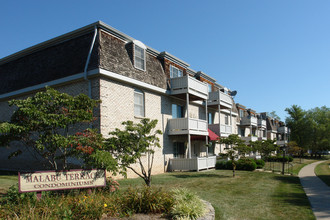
(184, 84)
(262, 138)
(283, 130)
(224, 131)
(218, 97)
(261, 123)
(281, 142)
(177, 126)
(250, 138)
(198, 163)
(249, 121)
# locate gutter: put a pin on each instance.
(87, 62)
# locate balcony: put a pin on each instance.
(179, 126)
(220, 98)
(282, 142)
(188, 84)
(262, 138)
(283, 130)
(249, 121)
(222, 130)
(198, 163)
(262, 123)
(249, 138)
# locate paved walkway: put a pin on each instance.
(318, 192)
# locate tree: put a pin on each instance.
(299, 126)
(264, 147)
(236, 148)
(319, 122)
(310, 129)
(42, 124)
(128, 146)
(274, 115)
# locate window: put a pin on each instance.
(211, 148)
(138, 103)
(210, 118)
(178, 149)
(241, 113)
(209, 87)
(226, 119)
(175, 72)
(177, 111)
(139, 57)
(243, 132)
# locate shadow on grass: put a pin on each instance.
(325, 179)
(292, 192)
(198, 175)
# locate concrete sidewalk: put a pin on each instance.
(317, 192)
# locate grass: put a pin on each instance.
(251, 195)
(6, 180)
(295, 166)
(323, 172)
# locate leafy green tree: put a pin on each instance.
(42, 124)
(274, 115)
(264, 147)
(130, 145)
(310, 129)
(236, 148)
(319, 122)
(299, 126)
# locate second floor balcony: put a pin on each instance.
(281, 142)
(249, 121)
(193, 126)
(222, 130)
(249, 138)
(262, 123)
(283, 130)
(220, 98)
(187, 84)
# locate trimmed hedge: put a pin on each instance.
(241, 164)
(278, 159)
(260, 163)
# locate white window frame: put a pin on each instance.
(141, 58)
(139, 105)
(177, 69)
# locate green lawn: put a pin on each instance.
(323, 172)
(251, 195)
(6, 181)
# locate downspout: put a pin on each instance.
(87, 62)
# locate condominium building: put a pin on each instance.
(133, 81)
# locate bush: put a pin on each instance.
(246, 164)
(187, 205)
(241, 164)
(260, 163)
(278, 159)
(146, 200)
(224, 165)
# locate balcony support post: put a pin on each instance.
(206, 137)
(189, 140)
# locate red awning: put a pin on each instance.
(212, 137)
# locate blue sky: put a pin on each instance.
(275, 53)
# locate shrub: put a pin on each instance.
(146, 200)
(224, 165)
(187, 205)
(241, 164)
(260, 163)
(246, 164)
(14, 196)
(279, 159)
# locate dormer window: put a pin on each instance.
(175, 72)
(139, 55)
